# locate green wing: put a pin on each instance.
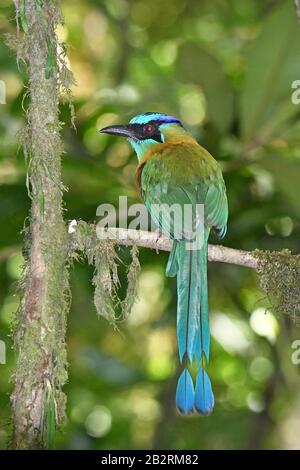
(174, 179)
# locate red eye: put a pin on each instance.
(149, 128)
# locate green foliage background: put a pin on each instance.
(226, 69)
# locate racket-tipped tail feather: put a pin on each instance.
(185, 394)
(204, 397)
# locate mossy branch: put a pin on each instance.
(279, 272)
(142, 238)
(38, 403)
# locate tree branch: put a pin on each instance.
(145, 239)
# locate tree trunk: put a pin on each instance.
(37, 400)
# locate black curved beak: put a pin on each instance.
(128, 130)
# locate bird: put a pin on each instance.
(173, 168)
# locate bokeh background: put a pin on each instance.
(225, 68)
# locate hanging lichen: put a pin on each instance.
(101, 253)
(132, 282)
(105, 280)
(279, 274)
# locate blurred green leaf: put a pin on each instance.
(285, 169)
(198, 66)
(107, 368)
(271, 67)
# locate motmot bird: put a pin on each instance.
(174, 168)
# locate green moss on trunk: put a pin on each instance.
(38, 401)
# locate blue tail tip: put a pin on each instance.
(185, 394)
(205, 411)
(204, 397)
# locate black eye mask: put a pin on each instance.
(141, 133)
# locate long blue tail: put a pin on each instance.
(193, 334)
